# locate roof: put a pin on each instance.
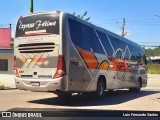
(155, 58)
(107, 31)
(89, 24)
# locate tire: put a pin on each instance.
(100, 89)
(63, 94)
(138, 88)
(110, 91)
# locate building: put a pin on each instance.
(155, 59)
(6, 61)
(6, 58)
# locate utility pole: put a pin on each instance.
(31, 6)
(123, 27)
(10, 26)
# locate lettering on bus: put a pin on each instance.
(36, 25)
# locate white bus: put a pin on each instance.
(61, 53)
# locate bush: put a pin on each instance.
(1, 87)
(154, 69)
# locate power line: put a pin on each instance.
(149, 46)
(156, 42)
(133, 22)
(9, 25)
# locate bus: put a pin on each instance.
(60, 53)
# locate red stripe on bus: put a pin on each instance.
(35, 34)
(41, 59)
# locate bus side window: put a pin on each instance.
(115, 42)
(95, 44)
(75, 31)
(106, 43)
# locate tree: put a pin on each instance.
(153, 52)
(83, 16)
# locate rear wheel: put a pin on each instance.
(138, 88)
(63, 94)
(100, 89)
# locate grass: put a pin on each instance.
(2, 87)
(154, 69)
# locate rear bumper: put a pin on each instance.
(45, 84)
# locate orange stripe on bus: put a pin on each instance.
(104, 65)
(89, 58)
(123, 66)
(23, 60)
(115, 64)
(35, 59)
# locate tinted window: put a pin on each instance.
(79, 34)
(119, 54)
(46, 23)
(115, 42)
(75, 31)
(127, 54)
(123, 45)
(95, 44)
(85, 38)
(133, 53)
(105, 43)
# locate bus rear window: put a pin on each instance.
(37, 24)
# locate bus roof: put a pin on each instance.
(91, 25)
(106, 31)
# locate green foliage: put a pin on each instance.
(1, 87)
(154, 69)
(82, 16)
(153, 52)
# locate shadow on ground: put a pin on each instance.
(111, 98)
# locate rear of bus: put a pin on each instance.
(38, 61)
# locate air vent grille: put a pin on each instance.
(36, 47)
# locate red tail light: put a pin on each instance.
(15, 67)
(58, 11)
(61, 69)
(20, 17)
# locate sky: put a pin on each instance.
(142, 25)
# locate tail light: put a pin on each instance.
(61, 69)
(58, 11)
(15, 67)
(20, 17)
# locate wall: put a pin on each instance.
(7, 77)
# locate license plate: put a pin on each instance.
(35, 83)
